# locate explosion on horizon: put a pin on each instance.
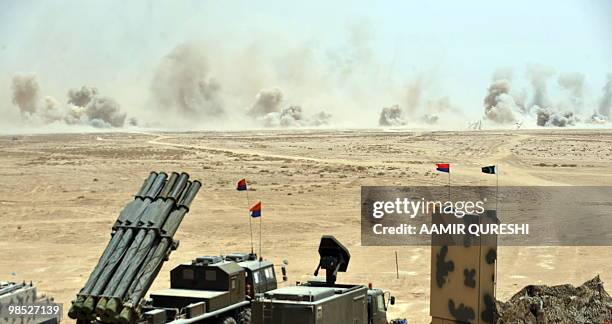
(502, 106)
(183, 84)
(83, 107)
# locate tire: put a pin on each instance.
(227, 320)
(244, 317)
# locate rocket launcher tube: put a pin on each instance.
(164, 207)
(136, 263)
(135, 255)
(128, 269)
(77, 307)
(118, 258)
(146, 185)
(152, 211)
(150, 269)
(150, 197)
(174, 218)
(119, 255)
(125, 263)
(140, 271)
(190, 194)
(144, 282)
(180, 186)
(164, 193)
(129, 208)
(157, 185)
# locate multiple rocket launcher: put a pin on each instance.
(141, 241)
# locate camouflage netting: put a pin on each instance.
(589, 303)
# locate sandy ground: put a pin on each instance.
(60, 194)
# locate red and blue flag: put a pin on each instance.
(255, 210)
(241, 185)
(443, 167)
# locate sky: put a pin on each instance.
(117, 46)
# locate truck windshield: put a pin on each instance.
(380, 302)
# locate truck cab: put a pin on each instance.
(260, 277)
(211, 289)
(205, 285)
(377, 306)
(260, 274)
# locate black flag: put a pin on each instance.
(489, 169)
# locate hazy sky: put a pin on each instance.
(115, 45)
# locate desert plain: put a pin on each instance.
(60, 194)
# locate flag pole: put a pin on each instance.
(496, 216)
(250, 221)
(449, 185)
(496, 188)
(396, 266)
(260, 255)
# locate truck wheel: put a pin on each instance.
(227, 320)
(244, 317)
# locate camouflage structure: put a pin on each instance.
(463, 272)
(142, 238)
(12, 293)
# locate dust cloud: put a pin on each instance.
(569, 108)
(606, 101)
(183, 84)
(204, 85)
(391, 116)
(26, 93)
(83, 106)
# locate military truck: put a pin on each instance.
(323, 301)
(21, 294)
(211, 289)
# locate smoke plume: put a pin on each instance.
(429, 119)
(391, 116)
(26, 93)
(573, 83)
(547, 117)
(293, 116)
(104, 112)
(414, 91)
(183, 85)
(500, 107)
(81, 97)
(267, 101)
(267, 111)
(83, 107)
(538, 76)
(606, 102)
